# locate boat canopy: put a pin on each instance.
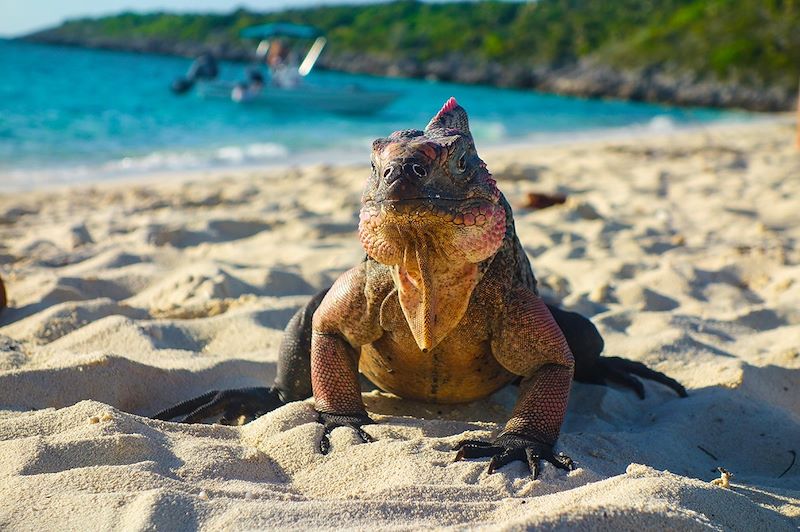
(280, 29)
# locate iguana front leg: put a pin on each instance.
(337, 393)
(344, 321)
(527, 341)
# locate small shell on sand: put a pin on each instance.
(724, 480)
(203, 495)
(105, 416)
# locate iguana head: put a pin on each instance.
(431, 184)
(432, 211)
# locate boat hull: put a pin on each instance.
(332, 100)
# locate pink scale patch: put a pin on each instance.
(481, 242)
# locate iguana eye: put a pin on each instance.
(461, 165)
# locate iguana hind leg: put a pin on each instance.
(586, 345)
(293, 382)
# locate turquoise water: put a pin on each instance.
(68, 115)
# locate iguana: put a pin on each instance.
(444, 308)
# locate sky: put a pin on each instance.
(18, 17)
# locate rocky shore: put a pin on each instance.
(588, 78)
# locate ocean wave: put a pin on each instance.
(153, 162)
(185, 160)
(662, 123)
(489, 131)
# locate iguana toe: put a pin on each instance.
(509, 447)
(354, 421)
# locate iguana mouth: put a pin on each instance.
(432, 211)
(425, 204)
(463, 231)
(421, 199)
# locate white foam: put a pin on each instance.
(153, 162)
(662, 123)
(192, 159)
(250, 152)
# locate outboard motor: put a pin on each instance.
(204, 67)
(181, 85)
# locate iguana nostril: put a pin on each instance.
(388, 171)
(419, 170)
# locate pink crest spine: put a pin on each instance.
(448, 106)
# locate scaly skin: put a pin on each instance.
(443, 310)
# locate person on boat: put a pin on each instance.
(282, 68)
(250, 89)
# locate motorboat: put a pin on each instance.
(278, 81)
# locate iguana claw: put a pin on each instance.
(331, 421)
(508, 447)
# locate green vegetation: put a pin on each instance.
(752, 41)
(748, 41)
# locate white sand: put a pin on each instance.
(128, 298)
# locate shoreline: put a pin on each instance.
(99, 176)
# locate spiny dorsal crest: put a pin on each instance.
(406, 134)
(450, 117)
